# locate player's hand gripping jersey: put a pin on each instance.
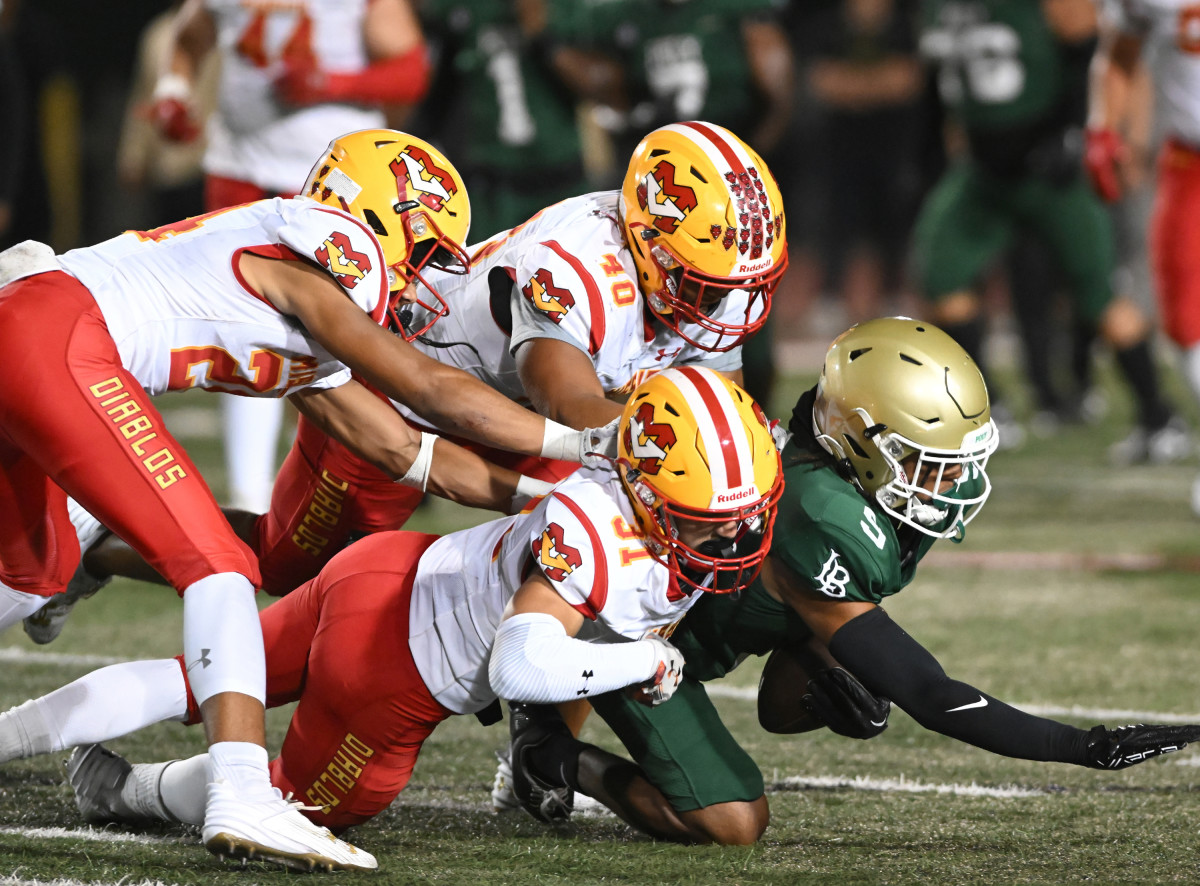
(566, 274)
(196, 325)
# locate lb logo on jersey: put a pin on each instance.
(668, 202)
(834, 577)
(432, 184)
(346, 265)
(551, 300)
(558, 558)
(647, 440)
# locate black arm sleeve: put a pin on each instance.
(890, 663)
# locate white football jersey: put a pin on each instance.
(182, 318)
(581, 538)
(564, 274)
(253, 137)
(1171, 31)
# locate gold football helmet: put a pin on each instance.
(414, 200)
(696, 458)
(904, 407)
(703, 217)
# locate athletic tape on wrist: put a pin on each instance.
(418, 472)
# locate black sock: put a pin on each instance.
(1137, 365)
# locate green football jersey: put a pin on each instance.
(682, 61)
(999, 64)
(832, 538)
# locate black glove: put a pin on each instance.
(1127, 745)
(845, 705)
(545, 756)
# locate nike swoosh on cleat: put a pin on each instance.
(982, 703)
(878, 725)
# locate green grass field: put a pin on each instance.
(1075, 595)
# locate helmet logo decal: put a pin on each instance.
(432, 184)
(648, 441)
(668, 202)
(756, 229)
(551, 300)
(558, 558)
(834, 577)
(346, 265)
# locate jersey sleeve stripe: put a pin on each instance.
(379, 312)
(595, 303)
(719, 426)
(599, 593)
(266, 250)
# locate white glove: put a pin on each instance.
(779, 433)
(599, 444)
(667, 675)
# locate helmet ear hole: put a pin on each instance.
(373, 220)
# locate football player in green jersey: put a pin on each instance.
(1013, 75)
(888, 454)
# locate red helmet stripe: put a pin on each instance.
(719, 142)
(595, 302)
(718, 411)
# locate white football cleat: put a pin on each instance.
(273, 830)
(47, 623)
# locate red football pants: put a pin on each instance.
(325, 495)
(73, 418)
(1175, 242)
(339, 646)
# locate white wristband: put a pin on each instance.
(528, 488)
(172, 86)
(418, 472)
(561, 442)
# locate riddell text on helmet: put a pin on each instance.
(736, 495)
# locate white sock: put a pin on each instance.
(25, 732)
(251, 431)
(1191, 369)
(111, 702)
(17, 605)
(222, 639)
(242, 765)
(171, 791)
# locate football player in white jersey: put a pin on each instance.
(293, 76)
(1169, 30)
(577, 595)
(567, 313)
(278, 297)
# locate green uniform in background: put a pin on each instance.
(826, 532)
(1020, 95)
(501, 114)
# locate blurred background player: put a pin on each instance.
(888, 455)
(1168, 33)
(505, 111)
(866, 78)
(293, 77)
(574, 597)
(161, 177)
(1021, 171)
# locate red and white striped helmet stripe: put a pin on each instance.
(723, 151)
(722, 434)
